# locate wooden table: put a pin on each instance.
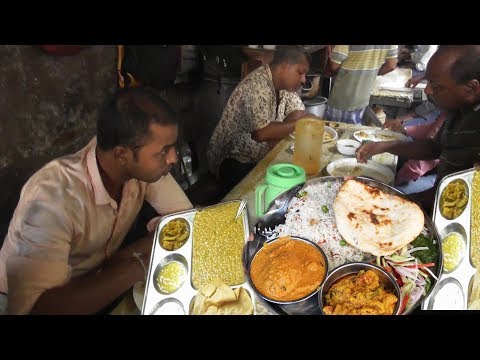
(246, 190)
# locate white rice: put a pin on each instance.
(306, 218)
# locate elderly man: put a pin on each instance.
(454, 86)
(61, 254)
(262, 110)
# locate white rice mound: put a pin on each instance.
(306, 218)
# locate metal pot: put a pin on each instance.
(316, 105)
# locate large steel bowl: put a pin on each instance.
(307, 304)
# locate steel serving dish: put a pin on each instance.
(353, 268)
(180, 301)
(263, 224)
(306, 304)
(452, 289)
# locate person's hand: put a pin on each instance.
(413, 81)
(366, 150)
(395, 125)
(404, 54)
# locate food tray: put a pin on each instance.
(429, 230)
(452, 291)
(181, 300)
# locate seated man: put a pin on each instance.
(61, 253)
(261, 110)
(454, 86)
(356, 68)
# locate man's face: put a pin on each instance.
(441, 87)
(156, 158)
(293, 75)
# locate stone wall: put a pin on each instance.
(48, 108)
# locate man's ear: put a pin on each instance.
(472, 88)
(121, 154)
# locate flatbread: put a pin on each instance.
(374, 221)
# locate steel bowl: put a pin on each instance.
(353, 268)
(305, 305)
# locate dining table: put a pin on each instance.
(245, 190)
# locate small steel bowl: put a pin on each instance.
(353, 268)
(307, 304)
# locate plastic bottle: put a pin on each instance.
(308, 144)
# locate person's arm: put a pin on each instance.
(90, 293)
(338, 55)
(276, 130)
(415, 80)
(419, 150)
(387, 66)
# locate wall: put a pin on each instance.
(48, 108)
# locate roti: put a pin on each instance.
(374, 221)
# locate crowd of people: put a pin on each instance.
(71, 247)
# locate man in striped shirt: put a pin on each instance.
(453, 75)
(356, 68)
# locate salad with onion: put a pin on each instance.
(413, 267)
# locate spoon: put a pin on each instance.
(277, 216)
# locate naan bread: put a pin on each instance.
(374, 221)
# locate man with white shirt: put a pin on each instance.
(61, 254)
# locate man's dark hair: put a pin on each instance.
(467, 64)
(127, 117)
(291, 54)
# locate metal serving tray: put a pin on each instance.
(263, 224)
(182, 299)
(452, 290)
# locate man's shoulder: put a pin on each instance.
(59, 177)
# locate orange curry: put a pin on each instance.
(287, 269)
(359, 294)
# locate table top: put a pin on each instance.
(245, 189)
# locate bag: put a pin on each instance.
(149, 65)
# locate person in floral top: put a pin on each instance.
(261, 110)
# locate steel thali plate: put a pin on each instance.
(454, 282)
(180, 301)
(429, 230)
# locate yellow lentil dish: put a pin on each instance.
(217, 246)
(287, 269)
(475, 221)
(359, 294)
(454, 199)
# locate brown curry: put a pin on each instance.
(359, 294)
(287, 269)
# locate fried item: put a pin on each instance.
(216, 298)
(359, 294)
(453, 200)
(374, 221)
(174, 234)
(474, 299)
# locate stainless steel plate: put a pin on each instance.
(156, 301)
(453, 285)
(429, 230)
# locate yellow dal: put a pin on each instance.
(171, 277)
(475, 221)
(453, 247)
(217, 246)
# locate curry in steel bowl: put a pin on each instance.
(288, 270)
(359, 288)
